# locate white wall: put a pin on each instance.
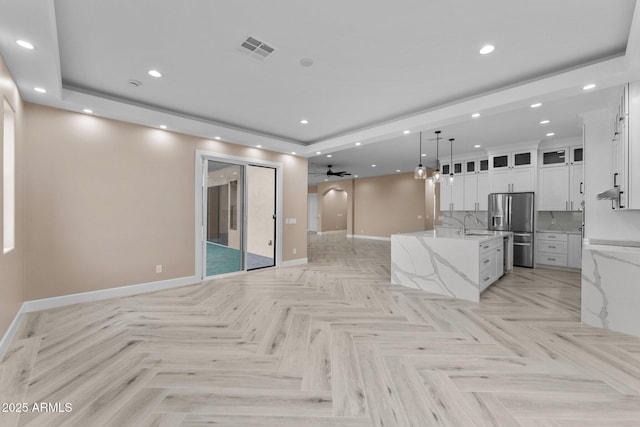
(602, 222)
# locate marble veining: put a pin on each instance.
(441, 261)
(610, 289)
(417, 278)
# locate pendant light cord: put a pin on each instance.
(420, 152)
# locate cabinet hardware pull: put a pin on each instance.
(615, 178)
(551, 259)
(486, 261)
(581, 184)
(552, 247)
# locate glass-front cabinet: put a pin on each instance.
(513, 171)
(560, 181)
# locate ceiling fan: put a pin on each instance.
(330, 172)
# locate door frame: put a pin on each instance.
(200, 184)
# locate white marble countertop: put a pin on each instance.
(613, 245)
(560, 231)
(475, 235)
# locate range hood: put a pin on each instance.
(610, 194)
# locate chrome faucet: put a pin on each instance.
(464, 222)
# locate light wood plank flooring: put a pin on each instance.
(331, 343)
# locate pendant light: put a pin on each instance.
(435, 177)
(451, 166)
(420, 172)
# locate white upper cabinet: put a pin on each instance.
(452, 191)
(626, 150)
(476, 184)
(513, 171)
(560, 181)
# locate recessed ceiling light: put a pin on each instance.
(551, 134)
(326, 180)
(406, 132)
(536, 105)
(88, 110)
(155, 73)
(25, 44)
(355, 176)
(318, 152)
(397, 170)
(293, 152)
(306, 62)
(487, 49)
(217, 138)
(329, 155)
(423, 154)
(304, 121)
(259, 146)
(475, 115)
(40, 89)
(477, 146)
(358, 143)
(589, 86)
(163, 126)
(373, 166)
(544, 122)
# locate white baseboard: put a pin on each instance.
(11, 331)
(331, 232)
(360, 236)
(294, 262)
(123, 291)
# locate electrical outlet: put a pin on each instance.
(295, 251)
(159, 268)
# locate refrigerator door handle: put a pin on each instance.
(521, 244)
(508, 213)
(522, 234)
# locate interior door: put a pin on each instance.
(261, 217)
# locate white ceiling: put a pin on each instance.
(379, 67)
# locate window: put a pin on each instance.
(8, 179)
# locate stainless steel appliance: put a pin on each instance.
(515, 212)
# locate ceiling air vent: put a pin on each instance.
(256, 49)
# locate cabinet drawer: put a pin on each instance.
(486, 260)
(489, 246)
(552, 259)
(556, 237)
(485, 280)
(552, 247)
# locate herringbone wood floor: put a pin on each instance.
(331, 343)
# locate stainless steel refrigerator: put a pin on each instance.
(515, 212)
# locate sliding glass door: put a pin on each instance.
(223, 218)
(261, 217)
(238, 217)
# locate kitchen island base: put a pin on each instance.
(450, 263)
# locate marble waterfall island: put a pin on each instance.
(610, 285)
(448, 262)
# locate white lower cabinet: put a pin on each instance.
(559, 249)
(491, 262)
(574, 251)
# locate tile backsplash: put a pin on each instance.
(454, 219)
(546, 220)
(559, 220)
